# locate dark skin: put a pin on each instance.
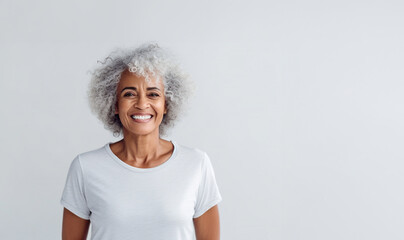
(207, 226)
(142, 147)
(74, 227)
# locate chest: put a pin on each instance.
(139, 199)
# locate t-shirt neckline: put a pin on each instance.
(136, 169)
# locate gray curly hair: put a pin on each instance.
(146, 60)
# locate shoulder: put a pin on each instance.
(191, 151)
(92, 157)
(94, 153)
(192, 154)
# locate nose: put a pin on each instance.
(142, 102)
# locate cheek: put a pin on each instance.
(123, 106)
(163, 106)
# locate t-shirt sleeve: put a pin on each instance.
(74, 197)
(208, 192)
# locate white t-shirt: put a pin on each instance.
(125, 202)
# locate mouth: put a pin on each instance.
(141, 117)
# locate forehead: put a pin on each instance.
(131, 79)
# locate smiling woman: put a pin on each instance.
(142, 186)
(148, 61)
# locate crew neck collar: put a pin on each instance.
(137, 169)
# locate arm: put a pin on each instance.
(74, 227)
(207, 226)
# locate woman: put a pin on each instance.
(141, 187)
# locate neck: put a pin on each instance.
(140, 148)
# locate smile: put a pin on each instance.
(141, 117)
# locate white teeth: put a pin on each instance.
(141, 117)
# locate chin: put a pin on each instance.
(141, 132)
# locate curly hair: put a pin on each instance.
(146, 60)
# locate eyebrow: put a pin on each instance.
(149, 88)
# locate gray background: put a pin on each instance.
(298, 104)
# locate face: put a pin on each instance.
(140, 104)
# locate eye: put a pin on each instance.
(128, 94)
(154, 95)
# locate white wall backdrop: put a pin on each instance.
(298, 103)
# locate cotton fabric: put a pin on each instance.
(124, 202)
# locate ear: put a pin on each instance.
(116, 108)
